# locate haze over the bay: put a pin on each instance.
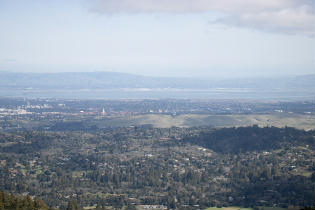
(179, 38)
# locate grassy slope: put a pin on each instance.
(189, 120)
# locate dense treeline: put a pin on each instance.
(243, 139)
(12, 202)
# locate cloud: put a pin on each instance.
(291, 20)
(284, 16)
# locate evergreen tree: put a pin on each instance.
(39, 204)
(131, 207)
(98, 207)
(28, 203)
(73, 205)
(1, 201)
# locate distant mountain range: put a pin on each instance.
(112, 80)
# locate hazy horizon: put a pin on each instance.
(209, 78)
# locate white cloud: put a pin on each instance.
(286, 16)
(291, 21)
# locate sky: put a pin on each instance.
(177, 38)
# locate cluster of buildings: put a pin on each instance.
(18, 111)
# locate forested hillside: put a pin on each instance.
(175, 167)
(242, 139)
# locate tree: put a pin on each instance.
(28, 203)
(1, 201)
(39, 204)
(98, 207)
(73, 205)
(131, 207)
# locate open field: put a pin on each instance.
(241, 208)
(229, 208)
(300, 121)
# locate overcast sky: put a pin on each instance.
(199, 38)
